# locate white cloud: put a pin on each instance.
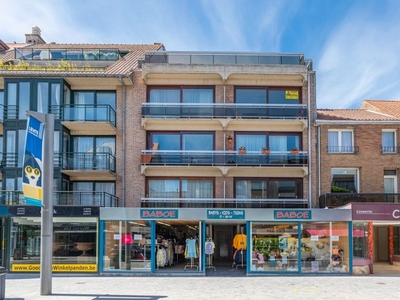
(360, 59)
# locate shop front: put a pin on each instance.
(204, 241)
(377, 227)
(75, 236)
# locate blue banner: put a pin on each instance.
(32, 172)
(226, 214)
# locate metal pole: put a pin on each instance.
(46, 245)
(46, 252)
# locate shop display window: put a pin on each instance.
(273, 247)
(128, 246)
(74, 242)
(324, 247)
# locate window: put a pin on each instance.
(183, 141)
(181, 188)
(264, 95)
(94, 106)
(344, 180)
(276, 142)
(340, 141)
(390, 185)
(269, 189)
(181, 95)
(388, 141)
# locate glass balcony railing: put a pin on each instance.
(224, 202)
(67, 198)
(222, 110)
(223, 158)
(88, 113)
(86, 161)
(331, 200)
(228, 58)
(67, 54)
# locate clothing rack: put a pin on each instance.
(241, 259)
(239, 242)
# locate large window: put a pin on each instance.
(94, 106)
(74, 242)
(38, 95)
(388, 141)
(94, 152)
(344, 180)
(182, 188)
(181, 94)
(269, 188)
(92, 193)
(340, 141)
(256, 95)
(276, 142)
(182, 140)
(127, 246)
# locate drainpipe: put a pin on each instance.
(123, 140)
(309, 140)
(319, 159)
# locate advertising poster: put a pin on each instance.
(32, 171)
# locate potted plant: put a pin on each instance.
(294, 150)
(242, 150)
(265, 150)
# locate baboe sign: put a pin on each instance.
(159, 213)
(292, 214)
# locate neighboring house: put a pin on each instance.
(358, 163)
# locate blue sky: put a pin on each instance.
(354, 44)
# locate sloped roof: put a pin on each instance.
(120, 67)
(353, 115)
(391, 107)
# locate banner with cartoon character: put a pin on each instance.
(32, 172)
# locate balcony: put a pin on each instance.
(88, 165)
(193, 68)
(224, 161)
(101, 199)
(209, 58)
(332, 200)
(224, 203)
(223, 110)
(82, 119)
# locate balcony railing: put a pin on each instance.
(223, 158)
(101, 199)
(67, 54)
(209, 58)
(88, 113)
(224, 203)
(389, 149)
(223, 110)
(342, 149)
(100, 161)
(331, 200)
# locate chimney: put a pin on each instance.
(34, 37)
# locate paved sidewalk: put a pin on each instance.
(207, 288)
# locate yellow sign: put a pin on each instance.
(294, 95)
(65, 268)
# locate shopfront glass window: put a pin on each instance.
(74, 243)
(324, 247)
(127, 246)
(274, 247)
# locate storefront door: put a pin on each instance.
(223, 242)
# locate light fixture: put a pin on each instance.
(165, 224)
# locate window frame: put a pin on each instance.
(340, 147)
(393, 148)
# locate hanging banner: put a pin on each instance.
(32, 171)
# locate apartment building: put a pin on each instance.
(169, 162)
(85, 87)
(223, 151)
(358, 169)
